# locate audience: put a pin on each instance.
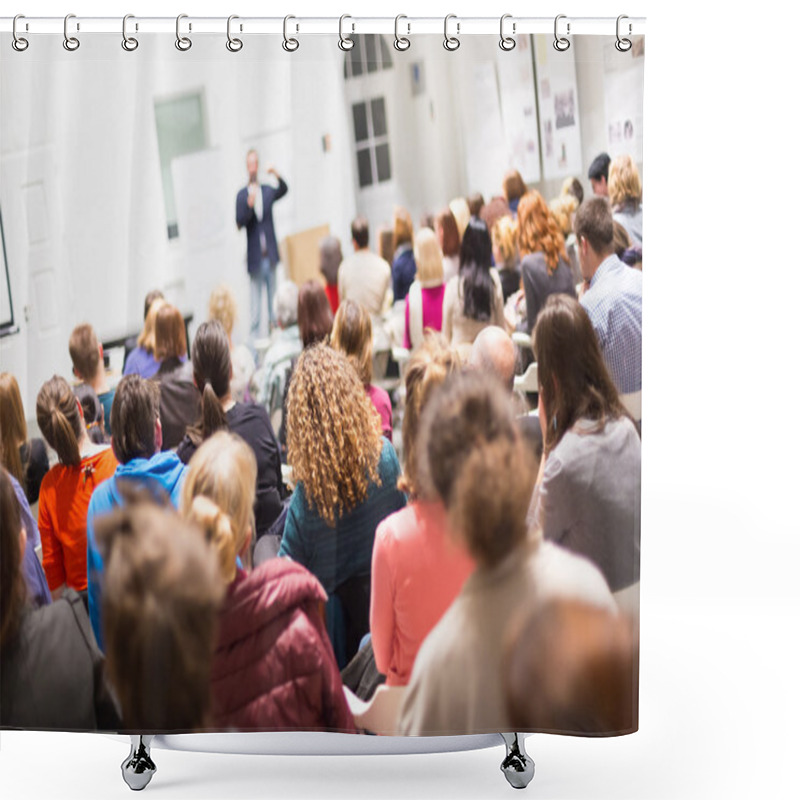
(93, 414)
(404, 268)
(514, 189)
(222, 307)
(473, 299)
(330, 258)
(589, 487)
(449, 239)
(545, 268)
(163, 590)
(51, 671)
(211, 363)
(506, 255)
(625, 196)
(87, 366)
(25, 459)
(365, 277)
(598, 174)
(417, 569)
(273, 666)
(346, 479)
(142, 360)
(136, 440)
(68, 486)
(179, 397)
(570, 667)
(612, 295)
(409, 576)
(472, 451)
(352, 335)
(425, 297)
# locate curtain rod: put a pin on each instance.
(346, 26)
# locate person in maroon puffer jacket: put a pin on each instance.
(273, 666)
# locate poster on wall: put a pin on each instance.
(518, 106)
(623, 83)
(559, 121)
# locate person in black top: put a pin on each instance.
(211, 361)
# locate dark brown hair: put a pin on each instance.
(359, 231)
(170, 333)
(451, 241)
(573, 378)
(134, 412)
(426, 370)
(59, 419)
(13, 593)
(570, 667)
(314, 315)
(211, 360)
(473, 455)
(622, 239)
(162, 595)
(84, 350)
(513, 185)
(593, 222)
(13, 428)
(475, 202)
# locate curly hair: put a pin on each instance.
(333, 432)
(624, 183)
(538, 230)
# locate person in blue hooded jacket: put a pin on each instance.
(136, 441)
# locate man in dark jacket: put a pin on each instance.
(254, 214)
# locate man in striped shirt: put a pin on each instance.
(612, 295)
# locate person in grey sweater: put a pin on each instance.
(588, 493)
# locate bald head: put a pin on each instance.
(493, 352)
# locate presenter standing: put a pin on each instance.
(254, 214)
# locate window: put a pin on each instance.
(369, 54)
(181, 130)
(372, 142)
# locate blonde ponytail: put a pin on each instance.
(216, 525)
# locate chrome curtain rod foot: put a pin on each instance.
(517, 766)
(138, 768)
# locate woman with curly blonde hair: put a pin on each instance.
(625, 196)
(545, 266)
(346, 476)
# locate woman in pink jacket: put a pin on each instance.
(417, 570)
(273, 667)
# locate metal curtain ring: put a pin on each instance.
(561, 43)
(507, 42)
(401, 43)
(233, 44)
(290, 44)
(623, 45)
(19, 43)
(183, 43)
(345, 42)
(71, 43)
(129, 43)
(451, 43)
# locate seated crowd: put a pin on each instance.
(215, 544)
